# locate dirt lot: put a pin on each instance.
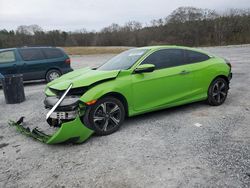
(160, 149)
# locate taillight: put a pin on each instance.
(67, 61)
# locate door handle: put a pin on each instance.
(184, 72)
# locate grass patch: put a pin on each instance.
(94, 50)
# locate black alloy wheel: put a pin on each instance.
(105, 116)
(217, 92)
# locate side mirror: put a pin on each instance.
(145, 68)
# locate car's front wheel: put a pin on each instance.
(217, 92)
(105, 116)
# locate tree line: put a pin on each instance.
(187, 26)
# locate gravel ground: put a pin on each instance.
(159, 149)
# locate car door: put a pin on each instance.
(170, 83)
(201, 66)
(8, 62)
(32, 64)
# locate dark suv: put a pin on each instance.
(34, 63)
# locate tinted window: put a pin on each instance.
(7, 56)
(31, 54)
(194, 57)
(51, 53)
(166, 58)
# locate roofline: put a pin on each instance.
(158, 47)
(6, 49)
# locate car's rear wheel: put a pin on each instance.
(217, 92)
(52, 75)
(105, 116)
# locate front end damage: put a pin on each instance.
(65, 113)
(65, 109)
(69, 132)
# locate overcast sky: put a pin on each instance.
(71, 15)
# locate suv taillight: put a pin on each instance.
(67, 61)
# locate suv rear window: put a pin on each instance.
(6, 57)
(31, 54)
(51, 53)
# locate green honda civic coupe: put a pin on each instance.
(137, 81)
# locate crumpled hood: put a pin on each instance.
(81, 77)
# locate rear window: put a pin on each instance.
(51, 53)
(6, 57)
(194, 57)
(31, 54)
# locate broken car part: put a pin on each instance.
(73, 131)
(59, 101)
(71, 128)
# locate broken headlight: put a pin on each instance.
(69, 103)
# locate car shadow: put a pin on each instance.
(37, 82)
(160, 113)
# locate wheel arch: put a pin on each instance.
(210, 99)
(52, 68)
(221, 76)
(119, 90)
(212, 80)
(120, 97)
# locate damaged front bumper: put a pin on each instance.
(69, 132)
(65, 113)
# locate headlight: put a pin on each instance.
(68, 103)
(70, 100)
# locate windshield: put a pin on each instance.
(124, 60)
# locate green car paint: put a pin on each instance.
(139, 90)
(142, 92)
(77, 77)
(72, 131)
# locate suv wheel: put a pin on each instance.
(52, 75)
(105, 116)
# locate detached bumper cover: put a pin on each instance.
(73, 131)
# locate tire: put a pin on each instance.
(52, 75)
(105, 116)
(217, 92)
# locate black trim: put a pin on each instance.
(230, 76)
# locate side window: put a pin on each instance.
(31, 54)
(195, 57)
(166, 58)
(51, 53)
(7, 57)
